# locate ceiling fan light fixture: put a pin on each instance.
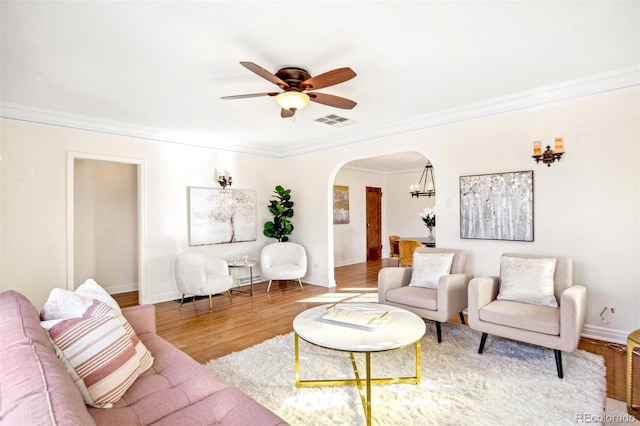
(292, 100)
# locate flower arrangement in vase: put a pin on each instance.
(428, 216)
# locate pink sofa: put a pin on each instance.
(35, 388)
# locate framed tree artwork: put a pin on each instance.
(221, 216)
(497, 206)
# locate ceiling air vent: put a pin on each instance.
(334, 120)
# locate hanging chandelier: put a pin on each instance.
(426, 185)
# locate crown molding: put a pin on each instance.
(541, 97)
(92, 124)
(538, 98)
(374, 170)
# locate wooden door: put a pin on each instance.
(374, 223)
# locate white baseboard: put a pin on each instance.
(321, 282)
(124, 288)
(605, 334)
(164, 297)
(348, 262)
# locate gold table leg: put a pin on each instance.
(633, 374)
(365, 394)
(250, 291)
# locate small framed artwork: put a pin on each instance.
(221, 216)
(497, 206)
(340, 204)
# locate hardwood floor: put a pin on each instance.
(247, 320)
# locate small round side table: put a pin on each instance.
(239, 265)
(633, 374)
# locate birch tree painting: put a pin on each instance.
(221, 216)
(497, 206)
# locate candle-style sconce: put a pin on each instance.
(549, 155)
(224, 179)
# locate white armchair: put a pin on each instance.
(199, 274)
(528, 314)
(445, 295)
(283, 261)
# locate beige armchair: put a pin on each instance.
(199, 274)
(397, 287)
(534, 320)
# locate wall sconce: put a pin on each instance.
(548, 156)
(224, 178)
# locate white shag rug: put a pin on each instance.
(511, 383)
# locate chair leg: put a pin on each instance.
(229, 294)
(300, 282)
(462, 319)
(439, 331)
(181, 300)
(558, 354)
(269, 286)
(483, 340)
(210, 304)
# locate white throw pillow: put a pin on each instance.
(71, 304)
(429, 267)
(527, 280)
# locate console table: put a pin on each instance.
(424, 240)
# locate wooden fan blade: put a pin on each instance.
(332, 100)
(250, 95)
(328, 78)
(265, 74)
(285, 113)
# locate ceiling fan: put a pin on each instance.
(295, 83)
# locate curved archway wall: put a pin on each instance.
(586, 206)
(400, 212)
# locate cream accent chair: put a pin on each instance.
(199, 274)
(283, 261)
(439, 305)
(406, 249)
(555, 328)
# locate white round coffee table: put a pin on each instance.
(381, 328)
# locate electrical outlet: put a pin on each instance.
(604, 310)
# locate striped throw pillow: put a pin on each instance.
(103, 356)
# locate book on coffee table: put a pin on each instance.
(362, 318)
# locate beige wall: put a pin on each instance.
(34, 203)
(106, 224)
(586, 206)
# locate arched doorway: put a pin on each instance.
(393, 174)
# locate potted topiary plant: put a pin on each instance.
(281, 207)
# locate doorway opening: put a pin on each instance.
(105, 226)
(392, 174)
(374, 222)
